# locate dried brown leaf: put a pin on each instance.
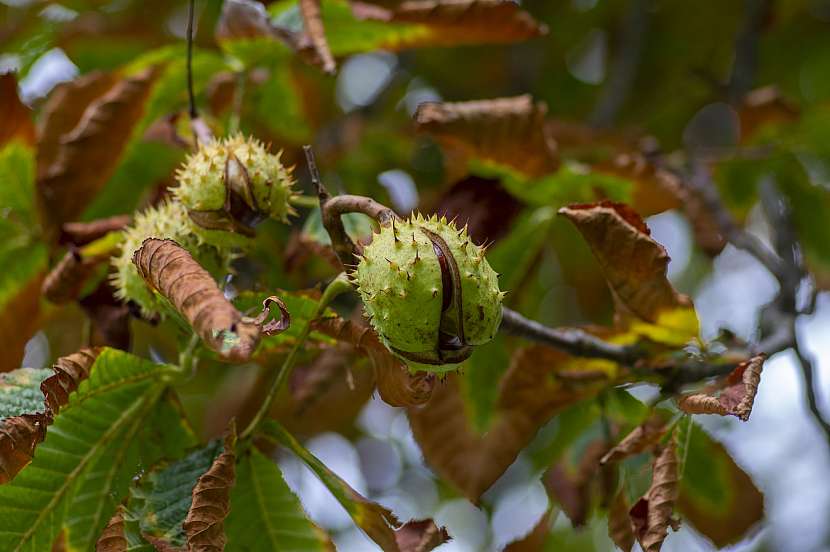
(641, 438)
(396, 384)
(112, 539)
(506, 131)
(16, 117)
(19, 435)
(420, 536)
(64, 282)
(82, 233)
(633, 263)
(656, 189)
(619, 524)
(63, 111)
(530, 394)
(735, 398)
(313, 22)
(652, 515)
(204, 524)
(172, 271)
(70, 371)
(458, 22)
(274, 327)
(89, 154)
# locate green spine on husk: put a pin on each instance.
(399, 278)
(202, 183)
(168, 220)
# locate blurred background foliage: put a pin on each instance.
(734, 91)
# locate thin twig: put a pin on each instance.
(337, 287)
(333, 208)
(194, 114)
(810, 387)
(570, 340)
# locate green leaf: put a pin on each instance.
(513, 256)
(163, 497)
(484, 369)
(277, 105)
(716, 496)
(572, 183)
(17, 194)
(20, 391)
(164, 435)
(265, 514)
(375, 520)
(357, 226)
(120, 392)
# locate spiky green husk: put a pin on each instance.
(202, 180)
(399, 280)
(168, 220)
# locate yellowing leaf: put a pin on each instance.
(635, 267)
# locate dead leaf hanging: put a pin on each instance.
(641, 438)
(63, 110)
(204, 524)
(735, 398)
(64, 282)
(89, 154)
(172, 271)
(112, 538)
(420, 536)
(635, 267)
(82, 233)
(505, 131)
(70, 371)
(619, 524)
(313, 21)
(19, 435)
(651, 516)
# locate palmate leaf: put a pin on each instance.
(120, 392)
(165, 434)
(265, 514)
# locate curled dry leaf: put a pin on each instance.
(635, 267)
(506, 131)
(420, 536)
(735, 398)
(19, 435)
(112, 538)
(16, 117)
(172, 271)
(641, 438)
(619, 524)
(530, 394)
(273, 327)
(204, 524)
(70, 371)
(458, 22)
(82, 233)
(396, 384)
(658, 190)
(651, 516)
(313, 21)
(89, 154)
